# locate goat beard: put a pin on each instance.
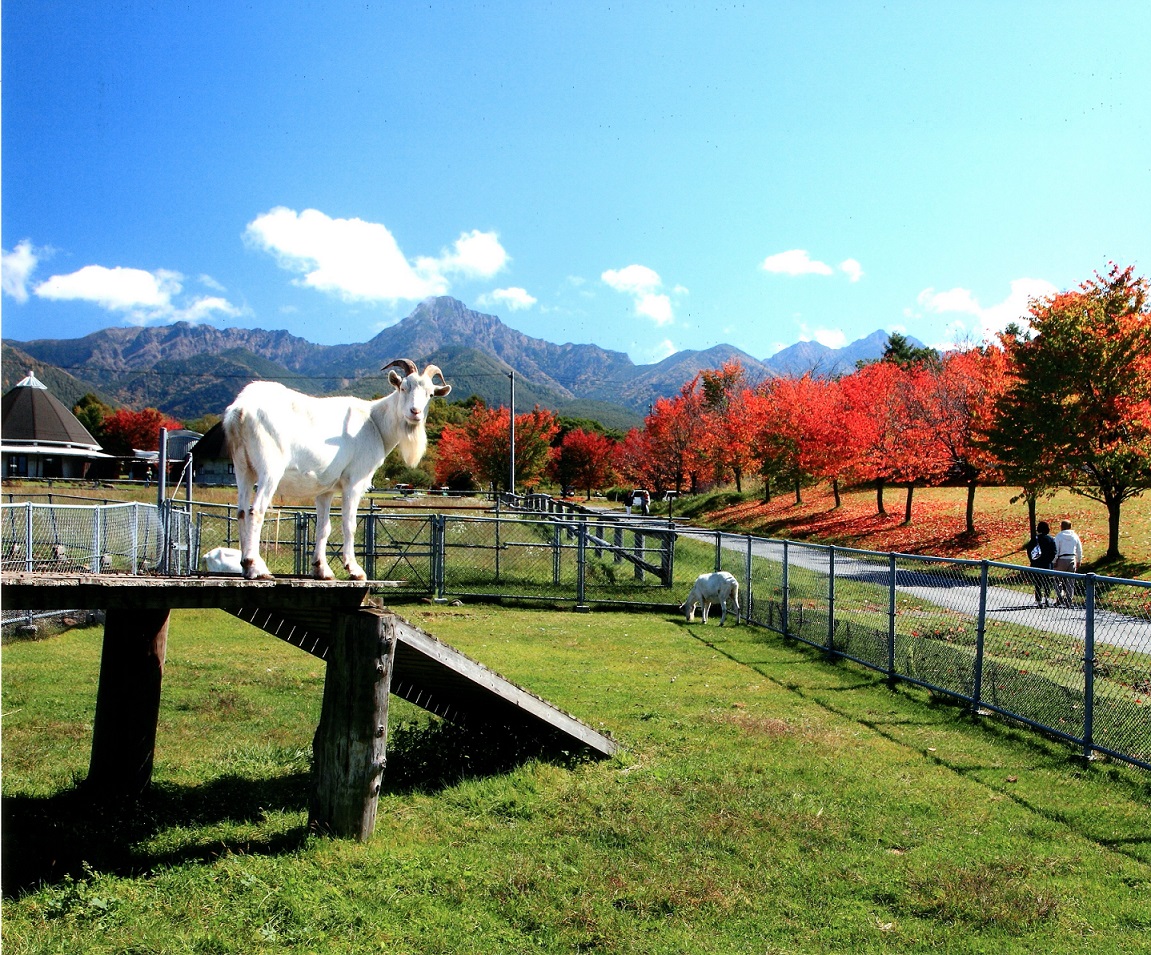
(413, 443)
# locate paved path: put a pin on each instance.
(959, 594)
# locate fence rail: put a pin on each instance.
(985, 633)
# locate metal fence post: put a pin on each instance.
(783, 594)
(28, 537)
(747, 588)
(831, 600)
(135, 558)
(719, 550)
(439, 555)
(1089, 668)
(557, 536)
(370, 541)
(498, 522)
(980, 633)
(891, 621)
(97, 563)
(581, 567)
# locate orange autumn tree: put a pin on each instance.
(584, 459)
(1077, 411)
(727, 425)
(481, 446)
(825, 445)
(776, 434)
(125, 430)
(889, 443)
(958, 404)
(675, 430)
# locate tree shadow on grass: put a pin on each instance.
(70, 835)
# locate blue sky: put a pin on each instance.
(645, 176)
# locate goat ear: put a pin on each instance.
(395, 379)
(441, 391)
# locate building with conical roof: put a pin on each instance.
(40, 437)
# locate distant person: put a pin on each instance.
(1068, 556)
(1041, 551)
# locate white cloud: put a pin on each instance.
(514, 298)
(360, 260)
(852, 269)
(830, 337)
(633, 279)
(475, 254)
(656, 307)
(644, 286)
(985, 322)
(663, 350)
(16, 268)
(117, 289)
(953, 300)
(794, 262)
(139, 295)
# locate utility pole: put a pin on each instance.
(512, 426)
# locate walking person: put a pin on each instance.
(1041, 550)
(1068, 556)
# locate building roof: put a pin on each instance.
(31, 415)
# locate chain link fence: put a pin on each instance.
(1067, 653)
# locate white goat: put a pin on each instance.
(301, 445)
(223, 560)
(718, 588)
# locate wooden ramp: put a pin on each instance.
(440, 679)
(370, 653)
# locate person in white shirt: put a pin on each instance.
(1068, 556)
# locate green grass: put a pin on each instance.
(765, 801)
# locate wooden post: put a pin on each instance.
(350, 746)
(127, 702)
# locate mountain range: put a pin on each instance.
(189, 370)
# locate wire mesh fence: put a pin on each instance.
(1067, 653)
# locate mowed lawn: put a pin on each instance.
(765, 801)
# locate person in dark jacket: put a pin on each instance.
(1041, 551)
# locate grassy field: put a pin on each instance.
(765, 801)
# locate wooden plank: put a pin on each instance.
(440, 678)
(112, 591)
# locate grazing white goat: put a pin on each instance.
(305, 446)
(223, 560)
(718, 588)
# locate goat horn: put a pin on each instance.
(432, 370)
(406, 364)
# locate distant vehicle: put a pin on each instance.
(405, 489)
(639, 499)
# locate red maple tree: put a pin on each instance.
(125, 431)
(584, 459)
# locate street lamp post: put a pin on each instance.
(512, 427)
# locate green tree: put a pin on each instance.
(91, 412)
(1078, 410)
(900, 351)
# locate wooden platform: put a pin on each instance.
(370, 651)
